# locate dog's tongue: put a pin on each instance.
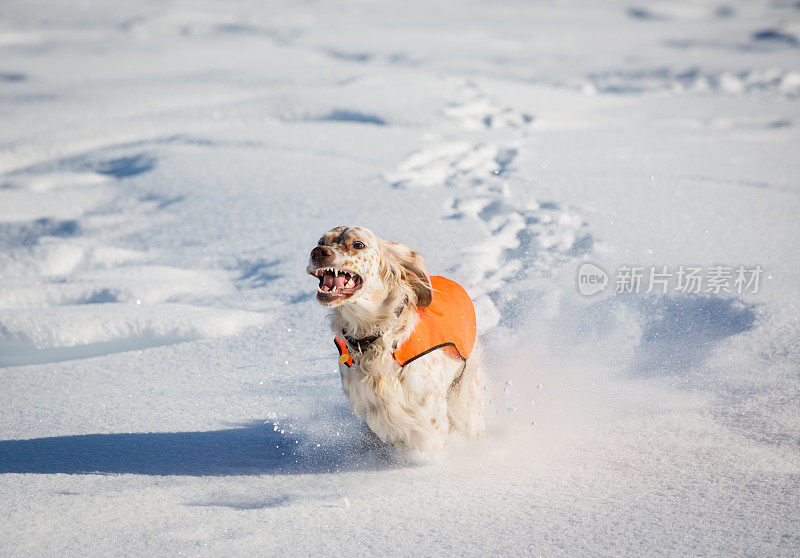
(330, 281)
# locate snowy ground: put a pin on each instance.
(168, 384)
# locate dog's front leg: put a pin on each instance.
(426, 382)
(407, 410)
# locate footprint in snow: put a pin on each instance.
(524, 238)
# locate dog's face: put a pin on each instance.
(353, 264)
(344, 260)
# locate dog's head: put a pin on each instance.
(353, 265)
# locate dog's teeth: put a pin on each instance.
(350, 284)
(336, 273)
(333, 290)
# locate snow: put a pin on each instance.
(168, 384)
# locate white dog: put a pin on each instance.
(409, 362)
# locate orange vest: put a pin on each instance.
(447, 322)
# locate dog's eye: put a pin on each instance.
(358, 245)
(321, 241)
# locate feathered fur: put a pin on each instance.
(415, 406)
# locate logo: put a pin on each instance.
(591, 279)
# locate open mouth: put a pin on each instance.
(334, 283)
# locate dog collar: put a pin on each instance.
(364, 342)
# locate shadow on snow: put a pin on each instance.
(672, 334)
(254, 449)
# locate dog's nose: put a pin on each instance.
(320, 254)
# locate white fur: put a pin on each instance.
(416, 406)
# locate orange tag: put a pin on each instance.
(343, 358)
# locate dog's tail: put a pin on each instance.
(465, 399)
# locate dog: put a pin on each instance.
(409, 360)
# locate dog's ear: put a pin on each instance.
(410, 268)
